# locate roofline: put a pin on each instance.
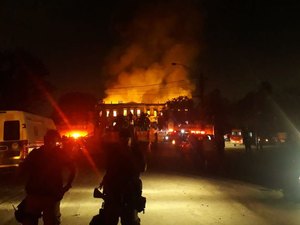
(133, 103)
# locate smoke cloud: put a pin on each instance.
(140, 69)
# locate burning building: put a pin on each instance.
(109, 112)
(141, 76)
(141, 67)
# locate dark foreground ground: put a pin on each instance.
(276, 166)
(180, 190)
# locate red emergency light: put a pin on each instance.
(76, 133)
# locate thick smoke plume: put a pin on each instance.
(141, 67)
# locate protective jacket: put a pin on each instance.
(44, 169)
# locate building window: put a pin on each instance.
(148, 112)
(124, 112)
(155, 112)
(107, 113)
(115, 113)
(132, 111)
(138, 112)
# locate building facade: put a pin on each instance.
(107, 113)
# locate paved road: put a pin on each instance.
(173, 197)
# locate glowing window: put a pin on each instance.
(115, 113)
(148, 112)
(125, 112)
(107, 113)
(138, 112)
(155, 112)
(132, 111)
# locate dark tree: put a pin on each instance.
(215, 111)
(178, 110)
(22, 78)
(76, 107)
(257, 111)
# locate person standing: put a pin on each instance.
(247, 140)
(122, 186)
(44, 169)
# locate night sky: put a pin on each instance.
(237, 44)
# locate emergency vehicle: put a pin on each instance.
(181, 133)
(20, 132)
(236, 136)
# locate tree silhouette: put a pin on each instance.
(22, 78)
(256, 111)
(76, 106)
(178, 110)
(216, 111)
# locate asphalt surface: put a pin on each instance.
(239, 189)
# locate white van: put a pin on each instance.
(20, 132)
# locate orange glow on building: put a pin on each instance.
(153, 85)
(136, 109)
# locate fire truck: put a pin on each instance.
(180, 133)
(236, 137)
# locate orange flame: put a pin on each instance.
(141, 69)
(150, 86)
